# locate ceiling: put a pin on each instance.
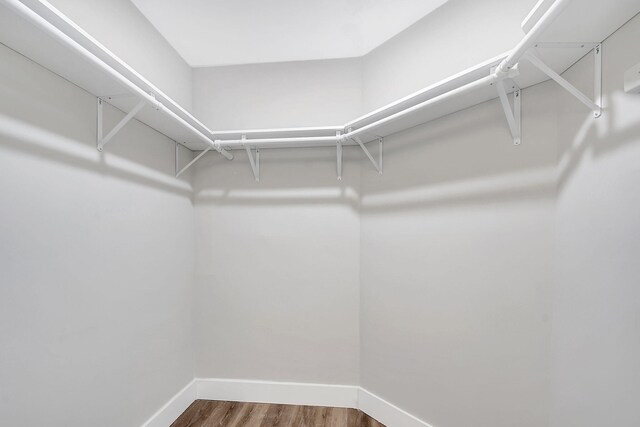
(224, 32)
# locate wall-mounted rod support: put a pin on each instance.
(102, 141)
(376, 165)
(258, 163)
(206, 150)
(100, 120)
(517, 112)
(597, 75)
(255, 164)
(380, 146)
(513, 116)
(539, 64)
(532, 36)
(177, 158)
(339, 156)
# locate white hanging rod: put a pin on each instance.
(46, 26)
(351, 134)
(309, 136)
(531, 37)
(279, 131)
(278, 142)
(95, 45)
(485, 81)
(506, 69)
(408, 99)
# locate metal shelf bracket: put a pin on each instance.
(380, 146)
(596, 104)
(377, 165)
(177, 159)
(195, 159)
(104, 140)
(255, 163)
(339, 155)
(513, 116)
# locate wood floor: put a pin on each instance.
(211, 413)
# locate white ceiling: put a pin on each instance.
(223, 32)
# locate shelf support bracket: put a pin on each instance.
(104, 140)
(177, 158)
(195, 159)
(597, 75)
(255, 163)
(339, 155)
(380, 144)
(377, 165)
(514, 117)
(595, 106)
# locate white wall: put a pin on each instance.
(489, 299)
(278, 261)
(289, 94)
(471, 260)
(596, 301)
(457, 268)
(277, 267)
(96, 260)
(120, 26)
(457, 238)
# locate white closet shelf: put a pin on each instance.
(39, 31)
(571, 35)
(557, 34)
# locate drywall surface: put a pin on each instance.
(494, 293)
(277, 267)
(96, 260)
(288, 94)
(457, 268)
(277, 261)
(120, 26)
(596, 301)
(456, 36)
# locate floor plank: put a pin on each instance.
(214, 413)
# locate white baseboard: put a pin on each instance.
(174, 407)
(385, 412)
(341, 396)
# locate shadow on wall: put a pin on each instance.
(467, 157)
(461, 159)
(595, 138)
(46, 117)
(464, 158)
(583, 137)
(428, 176)
(37, 142)
(287, 177)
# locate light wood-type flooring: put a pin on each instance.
(214, 413)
